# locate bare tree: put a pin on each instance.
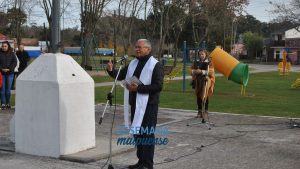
(17, 18)
(288, 11)
(2, 4)
(16, 15)
(6, 4)
(217, 16)
(91, 12)
(166, 21)
(128, 12)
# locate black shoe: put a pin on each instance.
(203, 121)
(3, 107)
(135, 166)
(7, 106)
(142, 167)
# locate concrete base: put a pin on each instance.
(101, 151)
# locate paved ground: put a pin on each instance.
(234, 142)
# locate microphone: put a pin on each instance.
(122, 58)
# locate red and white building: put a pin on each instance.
(292, 44)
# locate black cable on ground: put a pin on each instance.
(198, 149)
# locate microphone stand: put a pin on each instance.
(110, 96)
(109, 101)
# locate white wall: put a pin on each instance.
(292, 33)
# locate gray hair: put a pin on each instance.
(147, 43)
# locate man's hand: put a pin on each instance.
(109, 65)
(133, 87)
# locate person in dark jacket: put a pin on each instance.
(23, 57)
(143, 111)
(8, 62)
(203, 76)
(22, 60)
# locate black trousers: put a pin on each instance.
(199, 103)
(145, 153)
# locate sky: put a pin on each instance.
(260, 10)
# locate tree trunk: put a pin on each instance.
(87, 51)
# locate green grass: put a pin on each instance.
(100, 79)
(266, 94)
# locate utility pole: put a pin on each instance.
(55, 28)
(233, 35)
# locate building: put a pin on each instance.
(239, 51)
(6, 38)
(277, 46)
(3, 37)
(285, 40)
(292, 44)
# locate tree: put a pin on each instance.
(91, 12)
(268, 28)
(16, 18)
(2, 4)
(128, 11)
(253, 43)
(69, 35)
(217, 17)
(160, 13)
(176, 29)
(3, 22)
(288, 11)
(164, 20)
(249, 24)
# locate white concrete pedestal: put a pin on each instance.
(54, 107)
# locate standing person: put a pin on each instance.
(16, 73)
(8, 63)
(143, 98)
(203, 76)
(23, 57)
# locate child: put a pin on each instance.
(203, 77)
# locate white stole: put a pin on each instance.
(141, 98)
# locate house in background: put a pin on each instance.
(3, 37)
(239, 51)
(277, 46)
(6, 38)
(285, 40)
(292, 45)
(31, 45)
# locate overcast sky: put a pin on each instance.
(260, 10)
